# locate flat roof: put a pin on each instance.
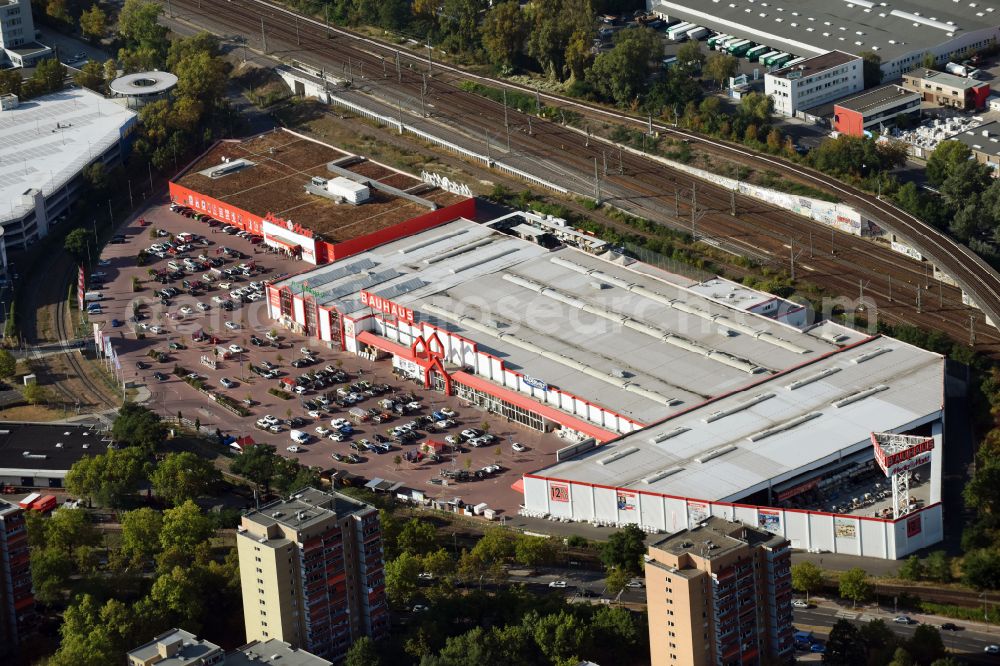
(189, 648)
(891, 29)
(817, 64)
(713, 537)
(33, 447)
(726, 449)
(305, 508)
(646, 337)
(143, 83)
(274, 652)
(944, 78)
(284, 163)
(983, 139)
(878, 97)
(46, 141)
(7, 507)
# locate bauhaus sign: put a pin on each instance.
(385, 305)
(908, 458)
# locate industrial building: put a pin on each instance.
(796, 452)
(178, 647)
(282, 545)
(18, 47)
(814, 81)
(549, 336)
(984, 142)
(874, 109)
(719, 593)
(46, 144)
(900, 32)
(309, 199)
(947, 89)
(35, 455)
(17, 599)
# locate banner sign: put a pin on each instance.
(913, 526)
(81, 288)
(559, 492)
(385, 305)
(626, 500)
(535, 383)
(894, 463)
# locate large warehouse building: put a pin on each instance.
(309, 199)
(899, 31)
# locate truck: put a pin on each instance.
(740, 49)
(716, 38)
(756, 52)
(678, 33)
(697, 33)
(27, 501)
(44, 504)
(780, 59)
(956, 69)
(762, 59)
(723, 44)
(299, 437)
(793, 63)
(93, 296)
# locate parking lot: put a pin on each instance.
(193, 333)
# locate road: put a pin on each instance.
(899, 287)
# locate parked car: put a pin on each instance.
(228, 383)
(520, 448)
(903, 619)
(558, 583)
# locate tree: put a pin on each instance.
(938, 566)
(911, 569)
(854, 585)
(10, 81)
(109, 477)
(624, 550)
(110, 70)
(393, 14)
(534, 551)
(91, 76)
(756, 107)
(926, 644)
(185, 527)
(880, 641)
(201, 76)
(620, 74)
(69, 529)
(559, 635)
(183, 476)
(138, 426)
(8, 364)
(981, 569)
(504, 31)
(616, 580)
(690, 57)
(94, 23)
(966, 183)
(89, 637)
(401, 576)
(50, 572)
(362, 653)
(807, 578)
(49, 75)
(844, 647)
(257, 464)
(180, 596)
(942, 162)
(982, 492)
(872, 66)
(928, 61)
(552, 24)
(58, 10)
(720, 67)
(459, 23)
(138, 26)
(417, 537)
(141, 534)
(77, 243)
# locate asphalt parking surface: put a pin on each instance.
(173, 396)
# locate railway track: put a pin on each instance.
(896, 285)
(65, 334)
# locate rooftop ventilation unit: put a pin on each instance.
(805, 381)
(787, 425)
(859, 395)
(878, 351)
(662, 474)
(670, 434)
(617, 455)
(722, 413)
(714, 453)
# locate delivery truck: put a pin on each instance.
(697, 33)
(678, 32)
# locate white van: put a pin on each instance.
(93, 296)
(299, 437)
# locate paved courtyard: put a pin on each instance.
(171, 395)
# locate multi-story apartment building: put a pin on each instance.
(17, 35)
(947, 89)
(17, 601)
(815, 81)
(312, 572)
(719, 594)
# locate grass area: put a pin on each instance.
(33, 413)
(960, 612)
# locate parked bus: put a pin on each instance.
(757, 52)
(678, 32)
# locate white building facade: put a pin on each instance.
(815, 81)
